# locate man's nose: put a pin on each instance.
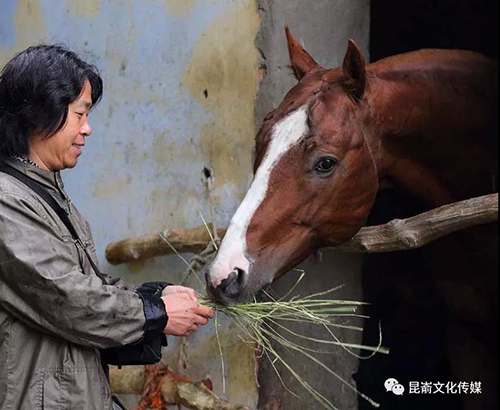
(86, 128)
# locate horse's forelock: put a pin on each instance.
(312, 91)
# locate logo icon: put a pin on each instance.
(393, 385)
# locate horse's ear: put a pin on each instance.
(354, 70)
(302, 62)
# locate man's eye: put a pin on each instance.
(325, 165)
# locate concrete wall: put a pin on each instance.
(180, 83)
(181, 80)
(323, 27)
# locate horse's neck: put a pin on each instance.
(434, 135)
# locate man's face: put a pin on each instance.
(62, 150)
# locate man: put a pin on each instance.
(56, 310)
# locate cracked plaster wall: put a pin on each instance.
(180, 84)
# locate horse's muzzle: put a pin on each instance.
(230, 288)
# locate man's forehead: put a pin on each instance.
(83, 102)
(86, 103)
(85, 98)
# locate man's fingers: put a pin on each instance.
(200, 320)
(204, 311)
(181, 290)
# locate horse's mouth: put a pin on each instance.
(219, 297)
(216, 295)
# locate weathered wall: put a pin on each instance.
(180, 83)
(323, 27)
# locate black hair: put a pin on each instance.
(36, 88)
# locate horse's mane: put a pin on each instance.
(433, 61)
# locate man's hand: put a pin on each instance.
(179, 289)
(184, 314)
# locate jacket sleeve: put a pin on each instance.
(42, 284)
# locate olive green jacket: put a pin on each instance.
(55, 313)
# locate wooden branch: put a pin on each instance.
(417, 231)
(176, 389)
(397, 235)
(148, 246)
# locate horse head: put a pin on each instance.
(314, 182)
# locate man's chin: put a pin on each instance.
(70, 164)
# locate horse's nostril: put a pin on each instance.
(241, 277)
(235, 283)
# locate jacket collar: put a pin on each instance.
(49, 179)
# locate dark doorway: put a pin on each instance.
(400, 26)
(399, 284)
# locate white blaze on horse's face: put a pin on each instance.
(232, 256)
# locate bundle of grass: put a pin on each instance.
(265, 324)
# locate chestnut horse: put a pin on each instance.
(423, 122)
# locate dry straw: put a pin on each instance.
(264, 325)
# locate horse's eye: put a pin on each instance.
(325, 165)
